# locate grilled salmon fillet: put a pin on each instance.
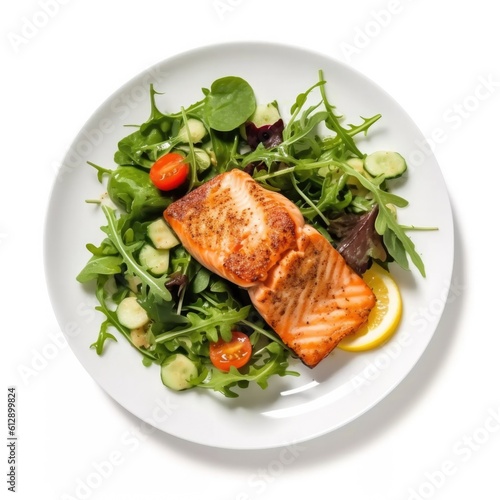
(312, 298)
(235, 227)
(257, 239)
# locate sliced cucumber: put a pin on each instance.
(139, 337)
(130, 313)
(177, 371)
(354, 183)
(387, 163)
(209, 149)
(134, 282)
(154, 260)
(162, 237)
(357, 164)
(197, 131)
(324, 171)
(202, 158)
(264, 114)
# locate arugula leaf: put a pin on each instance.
(104, 335)
(210, 321)
(155, 285)
(105, 260)
(333, 196)
(99, 265)
(101, 171)
(331, 143)
(296, 108)
(333, 123)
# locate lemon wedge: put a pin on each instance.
(384, 317)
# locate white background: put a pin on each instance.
(437, 435)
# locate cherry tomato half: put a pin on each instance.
(235, 353)
(169, 171)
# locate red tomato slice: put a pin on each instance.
(235, 353)
(169, 171)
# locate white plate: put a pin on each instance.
(291, 410)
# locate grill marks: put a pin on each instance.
(323, 299)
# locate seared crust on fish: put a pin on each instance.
(235, 227)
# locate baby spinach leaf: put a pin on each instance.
(201, 280)
(230, 102)
(132, 190)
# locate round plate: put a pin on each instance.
(291, 409)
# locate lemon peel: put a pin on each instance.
(384, 318)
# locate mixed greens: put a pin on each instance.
(169, 307)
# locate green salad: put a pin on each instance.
(172, 310)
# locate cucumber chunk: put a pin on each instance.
(131, 314)
(202, 158)
(162, 237)
(387, 163)
(177, 371)
(154, 260)
(265, 114)
(197, 131)
(353, 182)
(357, 164)
(139, 337)
(134, 282)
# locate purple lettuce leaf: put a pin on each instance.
(268, 135)
(359, 241)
